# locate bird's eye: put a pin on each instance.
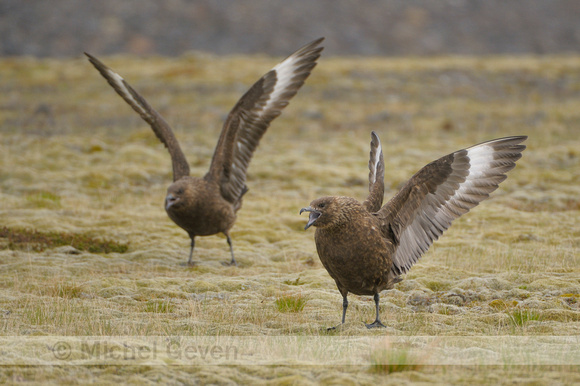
(321, 205)
(179, 191)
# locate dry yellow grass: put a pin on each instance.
(74, 158)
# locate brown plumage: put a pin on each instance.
(365, 248)
(207, 205)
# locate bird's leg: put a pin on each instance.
(344, 307)
(377, 322)
(190, 261)
(233, 262)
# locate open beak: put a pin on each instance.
(314, 214)
(169, 201)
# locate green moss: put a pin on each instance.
(502, 305)
(44, 200)
(437, 286)
(199, 286)
(97, 180)
(26, 239)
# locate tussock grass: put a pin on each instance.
(88, 170)
(393, 360)
(66, 290)
(294, 282)
(290, 303)
(159, 306)
(519, 317)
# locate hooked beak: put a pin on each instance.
(314, 214)
(170, 200)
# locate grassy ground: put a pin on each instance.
(76, 162)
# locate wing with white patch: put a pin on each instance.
(374, 200)
(160, 127)
(441, 192)
(251, 116)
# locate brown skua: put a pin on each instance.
(366, 248)
(207, 205)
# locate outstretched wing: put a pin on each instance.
(374, 200)
(160, 127)
(251, 116)
(441, 192)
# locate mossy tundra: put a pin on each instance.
(76, 161)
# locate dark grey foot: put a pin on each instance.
(229, 263)
(335, 328)
(189, 263)
(376, 324)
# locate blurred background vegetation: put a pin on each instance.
(59, 28)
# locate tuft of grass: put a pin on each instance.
(38, 315)
(66, 290)
(44, 200)
(393, 360)
(160, 306)
(290, 303)
(26, 239)
(519, 317)
(293, 282)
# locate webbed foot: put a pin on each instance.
(376, 324)
(335, 328)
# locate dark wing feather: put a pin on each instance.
(251, 116)
(441, 192)
(374, 200)
(160, 127)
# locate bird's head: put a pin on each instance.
(177, 195)
(328, 211)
